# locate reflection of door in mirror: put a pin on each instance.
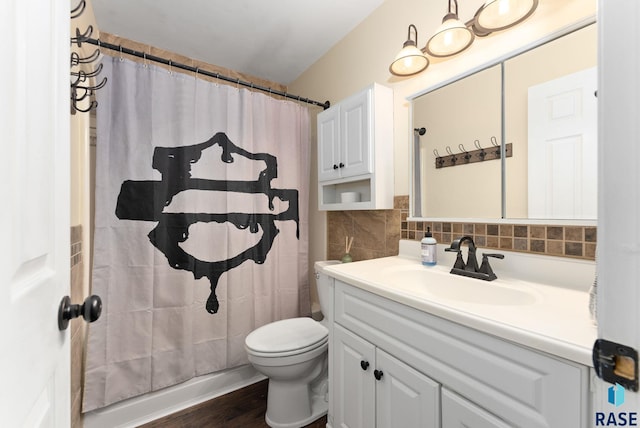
(556, 171)
(454, 117)
(562, 166)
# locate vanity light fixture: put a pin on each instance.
(496, 15)
(452, 37)
(410, 60)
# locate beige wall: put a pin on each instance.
(364, 55)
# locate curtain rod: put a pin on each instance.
(198, 70)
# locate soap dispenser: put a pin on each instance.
(429, 250)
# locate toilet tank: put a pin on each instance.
(325, 288)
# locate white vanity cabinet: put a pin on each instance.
(355, 151)
(461, 376)
(374, 389)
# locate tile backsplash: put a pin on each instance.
(376, 234)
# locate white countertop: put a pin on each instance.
(548, 318)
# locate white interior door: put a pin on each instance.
(34, 260)
(562, 147)
(619, 192)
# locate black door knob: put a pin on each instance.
(341, 165)
(335, 166)
(364, 364)
(90, 310)
(377, 374)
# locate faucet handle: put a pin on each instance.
(495, 255)
(485, 267)
(459, 264)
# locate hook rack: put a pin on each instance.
(464, 157)
(80, 89)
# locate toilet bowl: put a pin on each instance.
(292, 353)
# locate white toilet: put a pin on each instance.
(292, 353)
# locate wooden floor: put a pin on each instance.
(244, 408)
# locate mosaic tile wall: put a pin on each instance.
(376, 234)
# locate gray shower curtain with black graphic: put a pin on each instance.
(200, 227)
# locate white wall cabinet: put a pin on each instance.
(355, 151)
(374, 389)
(461, 376)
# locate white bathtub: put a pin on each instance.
(140, 410)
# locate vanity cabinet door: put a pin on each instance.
(460, 413)
(405, 397)
(354, 389)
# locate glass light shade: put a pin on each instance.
(410, 60)
(451, 38)
(497, 15)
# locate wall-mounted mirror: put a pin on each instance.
(540, 102)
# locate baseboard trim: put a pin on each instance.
(146, 408)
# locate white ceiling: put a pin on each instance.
(275, 40)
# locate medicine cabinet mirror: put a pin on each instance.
(542, 104)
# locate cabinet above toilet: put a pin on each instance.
(355, 152)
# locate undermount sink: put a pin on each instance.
(442, 285)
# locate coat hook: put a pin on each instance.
(77, 11)
(452, 157)
(482, 153)
(439, 160)
(467, 156)
(494, 143)
(82, 37)
(77, 60)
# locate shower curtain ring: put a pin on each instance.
(170, 69)
(121, 57)
(238, 83)
(144, 59)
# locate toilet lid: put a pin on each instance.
(287, 335)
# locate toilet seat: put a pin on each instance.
(287, 337)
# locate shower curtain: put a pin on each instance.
(200, 227)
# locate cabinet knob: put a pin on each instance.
(364, 364)
(377, 374)
(341, 165)
(335, 166)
